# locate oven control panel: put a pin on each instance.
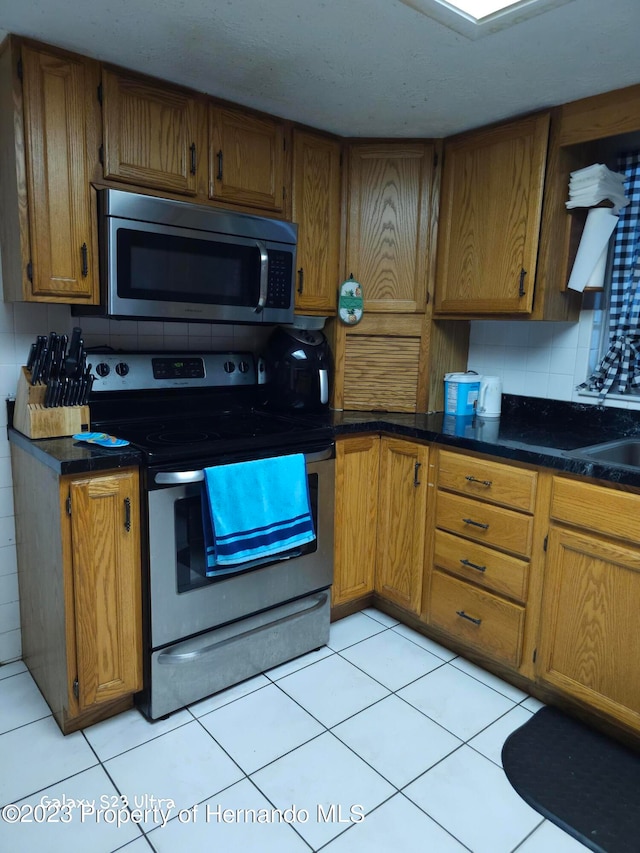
(141, 371)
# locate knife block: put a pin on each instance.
(31, 418)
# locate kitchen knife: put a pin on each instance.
(71, 361)
(37, 359)
(31, 356)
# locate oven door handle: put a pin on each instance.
(181, 478)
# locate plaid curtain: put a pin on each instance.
(619, 370)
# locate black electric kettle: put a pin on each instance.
(297, 369)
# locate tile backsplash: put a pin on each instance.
(541, 359)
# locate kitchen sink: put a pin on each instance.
(623, 451)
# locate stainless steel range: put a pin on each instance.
(187, 412)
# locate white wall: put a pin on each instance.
(19, 324)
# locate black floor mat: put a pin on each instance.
(583, 781)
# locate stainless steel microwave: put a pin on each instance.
(172, 260)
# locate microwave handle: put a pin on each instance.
(264, 274)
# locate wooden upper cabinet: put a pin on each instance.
(105, 542)
(246, 158)
(388, 223)
(62, 232)
(316, 209)
(490, 212)
(150, 133)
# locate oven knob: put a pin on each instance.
(122, 369)
(244, 367)
(229, 366)
(103, 369)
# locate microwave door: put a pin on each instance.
(176, 273)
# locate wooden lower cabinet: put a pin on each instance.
(589, 639)
(402, 518)
(380, 520)
(80, 587)
(356, 514)
(104, 525)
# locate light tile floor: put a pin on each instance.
(382, 742)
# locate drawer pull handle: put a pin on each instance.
(473, 565)
(476, 523)
(471, 479)
(416, 468)
(127, 514)
(470, 618)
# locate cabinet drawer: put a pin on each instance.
(484, 566)
(488, 480)
(484, 621)
(597, 508)
(490, 525)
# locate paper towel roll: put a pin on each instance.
(591, 258)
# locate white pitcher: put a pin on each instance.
(489, 397)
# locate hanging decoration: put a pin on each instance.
(350, 302)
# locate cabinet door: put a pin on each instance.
(389, 211)
(316, 209)
(105, 535)
(63, 250)
(246, 159)
(490, 210)
(149, 134)
(589, 642)
(356, 513)
(402, 510)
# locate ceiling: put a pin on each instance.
(353, 67)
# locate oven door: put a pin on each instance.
(183, 601)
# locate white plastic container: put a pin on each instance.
(461, 393)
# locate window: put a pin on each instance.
(475, 18)
(619, 369)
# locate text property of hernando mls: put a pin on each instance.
(119, 810)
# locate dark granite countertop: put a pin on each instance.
(68, 456)
(533, 430)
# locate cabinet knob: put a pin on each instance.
(471, 565)
(475, 480)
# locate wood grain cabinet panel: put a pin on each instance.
(487, 480)
(64, 263)
(402, 522)
(105, 521)
(246, 158)
(388, 223)
(487, 622)
(483, 566)
(589, 641)
(316, 209)
(490, 215)
(490, 525)
(149, 133)
(356, 513)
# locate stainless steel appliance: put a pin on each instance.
(298, 369)
(168, 259)
(186, 412)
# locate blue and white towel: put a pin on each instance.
(255, 509)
